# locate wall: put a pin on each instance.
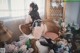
(13, 21)
(78, 19)
(72, 10)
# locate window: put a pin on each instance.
(4, 10)
(19, 8)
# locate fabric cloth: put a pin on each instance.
(41, 48)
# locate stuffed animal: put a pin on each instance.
(23, 49)
(11, 48)
(62, 46)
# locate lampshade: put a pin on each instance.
(5, 34)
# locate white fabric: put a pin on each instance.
(51, 51)
(42, 49)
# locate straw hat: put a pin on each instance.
(25, 29)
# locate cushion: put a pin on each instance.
(51, 35)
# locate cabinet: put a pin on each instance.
(55, 9)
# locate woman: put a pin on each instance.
(29, 28)
(35, 21)
(33, 13)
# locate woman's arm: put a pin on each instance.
(28, 20)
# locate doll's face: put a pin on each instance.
(31, 9)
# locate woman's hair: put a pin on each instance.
(34, 6)
(34, 13)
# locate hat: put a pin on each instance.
(25, 29)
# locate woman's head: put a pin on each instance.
(33, 7)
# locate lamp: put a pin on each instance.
(5, 34)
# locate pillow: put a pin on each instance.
(51, 35)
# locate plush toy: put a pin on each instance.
(62, 46)
(22, 46)
(15, 49)
(23, 49)
(11, 48)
